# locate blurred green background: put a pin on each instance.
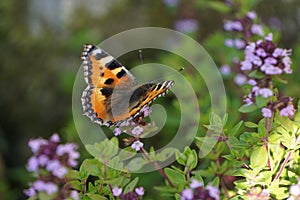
(41, 42)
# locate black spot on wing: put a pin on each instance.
(121, 73)
(113, 65)
(106, 91)
(109, 81)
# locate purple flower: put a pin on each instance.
(225, 70)
(74, 194)
(117, 131)
(117, 191)
(266, 112)
(270, 60)
(140, 191)
(33, 164)
(240, 79)
(146, 111)
(213, 192)
(255, 90)
(248, 100)
(288, 111)
(269, 37)
(252, 82)
(277, 52)
(295, 190)
(252, 15)
(137, 145)
(30, 192)
(229, 42)
(246, 65)
(43, 159)
(55, 138)
(195, 184)
(265, 92)
(137, 131)
(39, 185)
(60, 172)
(257, 29)
(287, 61)
(256, 60)
(239, 44)
(233, 26)
(35, 144)
(261, 52)
(187, 194)
(50, 188)
(53, 165)
(273, 70)
(186, 25)
(66, 149)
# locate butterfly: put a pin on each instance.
(112, 95)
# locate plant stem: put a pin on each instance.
(283, 165)
(156, 165)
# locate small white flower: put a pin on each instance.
(265, 92)
(137, 145)
(195, 184)
(213, 192)
(140, 191)
(266, 112)
(117, 191)
(187, 194)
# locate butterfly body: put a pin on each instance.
(112, 94)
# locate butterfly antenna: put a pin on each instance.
(141, 56)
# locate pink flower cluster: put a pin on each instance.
(50, 163)
(266, 58)
(136, 194)
(197, 191)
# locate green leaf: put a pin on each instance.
(115, 163)
(164, 154)
(247, 108)
(280, 79)
(216, 182)
(297, 114)
(73, 174)
(126, 153)
(92, 167)
(218, 6)
(77, 185)
(131, 185)
(251, 125)
(192, 160)
(174, 176)
(136, 164)
(180, 157)
(96, 196)
(225, 118)
(259, 157)
(235, 129)
(262, 131)
(256, 74)
(83, 174)
(261, 101)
